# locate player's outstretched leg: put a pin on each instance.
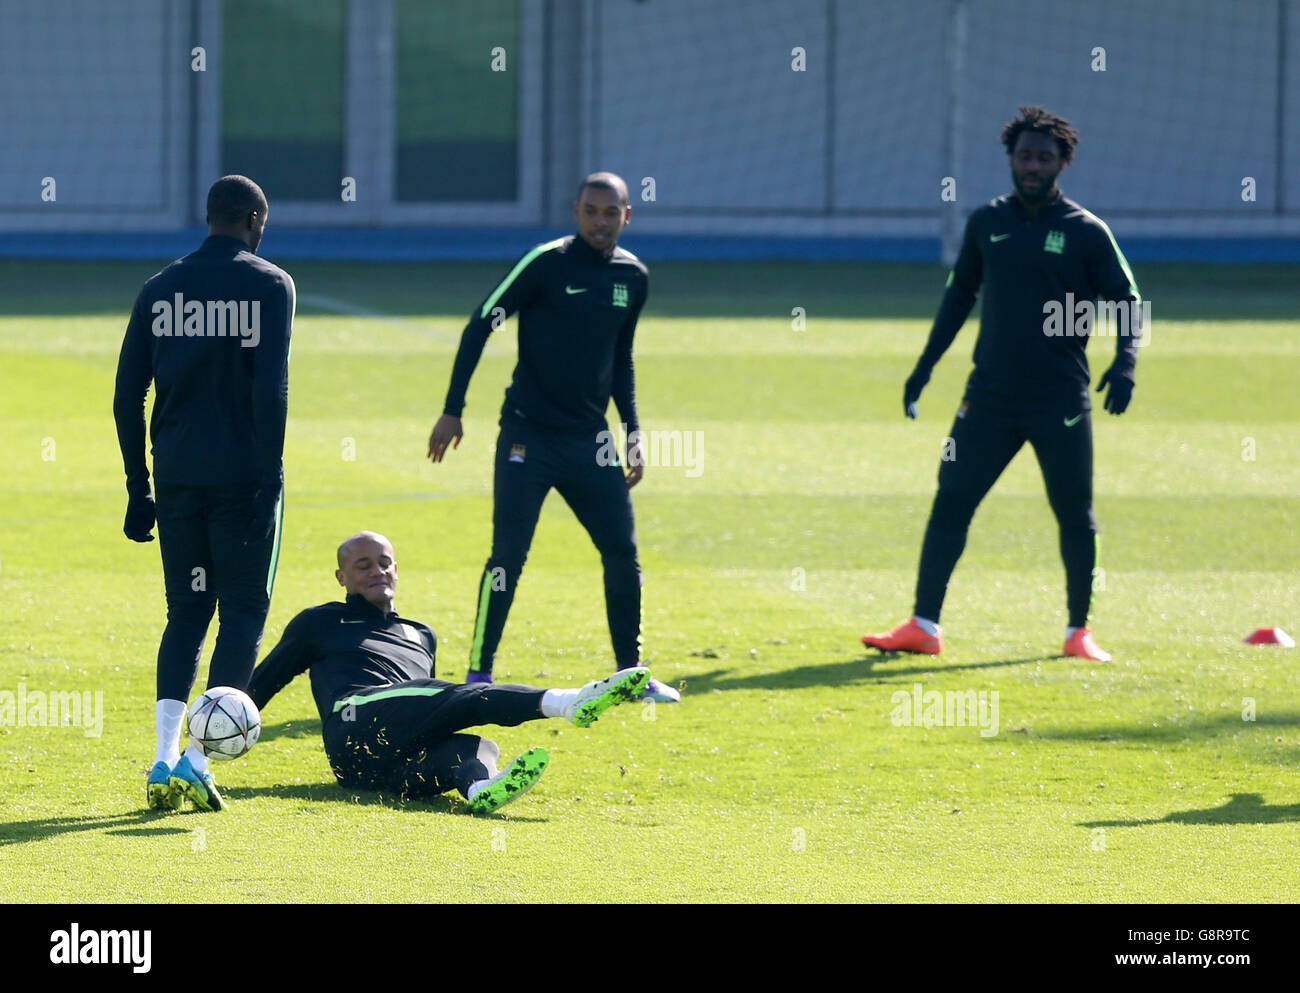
(509, 784)
(597, 697)
(198, 786)
(158, 788)
(911, 636)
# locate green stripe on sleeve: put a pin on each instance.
(1123, 262)
(520, 266)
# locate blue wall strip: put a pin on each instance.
(507, 244)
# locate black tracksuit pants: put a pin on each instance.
(587, 471)
(208, 569)
(403, 737)
(982, 444)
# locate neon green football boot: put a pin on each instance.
(510, 783)
(596, 698)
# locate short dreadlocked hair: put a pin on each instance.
(1041, 121)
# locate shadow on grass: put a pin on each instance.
(1165, 730)
(862, 669)
(16, 832)
(146, 823)
(1243, 808)
(333, 793)
(938, 668)
(306, 728)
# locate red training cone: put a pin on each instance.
(1271, 636)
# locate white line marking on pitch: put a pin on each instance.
(356, 310)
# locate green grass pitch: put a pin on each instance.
(782, 776)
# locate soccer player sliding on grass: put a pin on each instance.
(387, 723)
(1036, 254)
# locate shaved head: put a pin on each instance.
(232, 198)
(368, 568)
(362, 539)
(237, 209)
(605, 181)
(602, 211)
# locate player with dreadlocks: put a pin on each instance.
(1042, 261)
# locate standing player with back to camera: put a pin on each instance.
(1028, 250)
(578, 300)
(211, 331)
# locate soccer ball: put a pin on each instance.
(224, 722)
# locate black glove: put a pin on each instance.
(912, 390)
(1120, 382)
(140, 515)
(265, 500)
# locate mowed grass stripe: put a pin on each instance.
(708, 458)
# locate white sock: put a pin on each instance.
(927, 625)
(197, 758)
(556, 703)
(167, 718)
(1069, 632)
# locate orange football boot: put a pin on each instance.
(1082, 644)
(909, 637)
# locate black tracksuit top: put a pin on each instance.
(1022, 261)
(348, 646)
(577, 316)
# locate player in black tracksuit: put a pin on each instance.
(211, 332)
(578, 299)
(388, 724)
(1037, 255)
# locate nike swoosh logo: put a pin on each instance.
(998, 237)
(570, 289)
(343, 620)
(1072, 421)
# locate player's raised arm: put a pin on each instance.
(958, 299)
(518, 287)
(624, 392)
(1115, 282)
(134, 373)
(296, 651)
